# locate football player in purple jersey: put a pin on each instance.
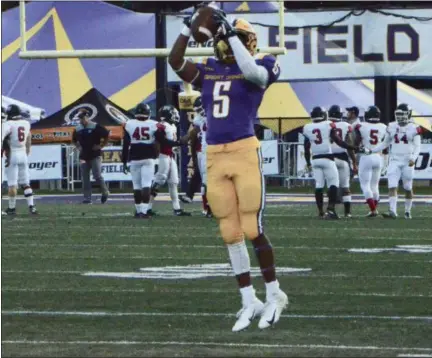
(232, 86)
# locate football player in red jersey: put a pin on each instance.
(169, 117)
(232, 87)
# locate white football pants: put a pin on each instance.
(167, 170)
(398, 169)
(343, 169)
(325, 171)
(142, 172)
(369, 175)
(202, 165)
(18, 171)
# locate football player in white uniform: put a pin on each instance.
(370, 134)
(319, 134)
(404, 140)
(17, 134)
(343, 131)
(200, 123)
(4, 150)
(168, 117)
(139, 150)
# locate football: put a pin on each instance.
(203, 25)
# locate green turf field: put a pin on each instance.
(54, 303)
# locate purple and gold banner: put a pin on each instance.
(186, 101)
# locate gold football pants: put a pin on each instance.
(236, 189)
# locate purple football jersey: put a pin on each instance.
(231, 102)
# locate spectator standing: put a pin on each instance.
(89, 138)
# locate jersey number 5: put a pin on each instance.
(21, 134)
(318, 135)
(221, 101)
(373, 136)
(141, 133)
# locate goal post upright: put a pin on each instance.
(23, 33)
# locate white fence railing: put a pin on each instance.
(58, 166)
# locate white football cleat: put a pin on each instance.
(273, 309)
(247, 314)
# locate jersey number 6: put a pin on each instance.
(221, 101)
(21, 134)
(141, 133)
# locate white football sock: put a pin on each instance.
(12, 202)
(248, 295)
(408, 205)
(271, 289)
(393, 203)
(173, 191)
(346, 199)
(28, 193)
(144, 208)
(138, 208)
(150, 204)
(239, 256)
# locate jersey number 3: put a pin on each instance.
(141, 133)
(318, 135)
(221, 101)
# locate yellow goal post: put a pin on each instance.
(130, 53)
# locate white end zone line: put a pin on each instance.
(218, 344)
(200, 314)
(300, 274)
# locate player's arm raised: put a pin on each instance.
(185, 69)
(252, 71)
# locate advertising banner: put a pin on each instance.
(186, 101)
(45, 163)
(269, 150)
(112, 165)
(362, 46)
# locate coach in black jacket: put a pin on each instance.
(89, 138)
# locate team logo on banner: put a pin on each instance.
(70, 116)
(119, 116)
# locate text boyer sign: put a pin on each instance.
(45, 163)
(360, 46)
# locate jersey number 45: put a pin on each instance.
(141, 133)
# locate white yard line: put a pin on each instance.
(206, 291)
(217, 344)
(306, 274)
(221, 246)
(210, 234)
(200, 314)
(150, 225)
(414, 355)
